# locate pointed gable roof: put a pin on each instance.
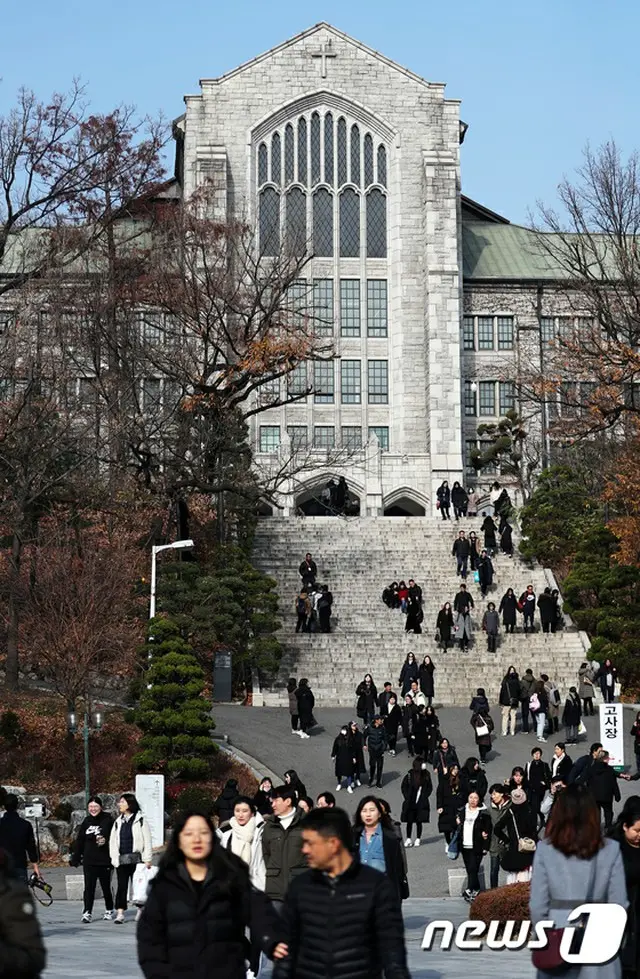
(322, 26)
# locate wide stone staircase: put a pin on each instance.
(357, 557)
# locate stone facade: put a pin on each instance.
(324, 121)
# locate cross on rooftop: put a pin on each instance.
(324, 53)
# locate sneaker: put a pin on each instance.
(119, 919)
(358, 782)
(138, 914)
(305, 735)
(350, 789)
(467, 894)
(108, 916)
(296, 732)
(408, 843)
(86, 918)
(338, 787)
(417, 842)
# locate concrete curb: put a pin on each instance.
(258, 769)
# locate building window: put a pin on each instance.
(269, 221)
(289, 168)
(350, 382)
(376, 307)
(485, 332)
(469, 400)
(470, 445)
(368, 160)
(296, 221)
(547, 328)
(342, 151)
(351, 437)
(152, 332)
(565, 326)
(382, 166)
(378, 382)
(328, 149)
(381, 432)
(302, 150)
(323, 305)
(468, 339)
(263, 165)
(315, 148)
(324, 437)
(569, 399)
(269, 392)
(298, 436)
(275, 159)
(296, 299)
(587, 395)
(487, 401)
(350, 307)
(297, 382)
(506, 396)
(323, 223)
(87, 392)
(505, 332)
(349, 224)
(355, 156)
(269, 438)
(323, 382)
(376, 224)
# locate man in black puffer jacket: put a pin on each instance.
(376, 743)
(22, 952)
(341, 919)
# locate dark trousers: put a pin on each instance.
(607, 693)
(123, 875)
(546, 627)
(587, 708)
(472, 865)
(462, 566)
(306, 722)
(524, 707)
(21, 874)
(459, 511)
(495, 870)
(301, 623)
(484, 750)
(91, 877)
(376, 761)
(446, 512)
(606, 810)
(324, 614)
(509, 628)
(491, 642)
(410, 829)
(528, 621)
(393, 740)
(638, 762)
(294, 722)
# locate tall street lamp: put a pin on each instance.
(93, 721)
(176, 546)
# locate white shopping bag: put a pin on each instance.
(141, 880)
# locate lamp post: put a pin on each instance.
(93, 721)
(175, 546)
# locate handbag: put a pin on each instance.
(476, 577)
(617, 689)
(549, 959)
(581, 728)
(126, 859)
(140, 883)
(453, 848)
(437, 636)
(525, 843)
(481, 730)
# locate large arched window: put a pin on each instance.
(342, 152)
(315, 149)
(323, 223)
(275, 159)
(296, 221)
(328, 148)
(382, 166)
(302, 151)
(289, 161)
(368, 160)
(269, 221)
(263, 165)
(376, 224)
(349, 224)
(355, 156)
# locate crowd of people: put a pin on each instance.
(313, 602)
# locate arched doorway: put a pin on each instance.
(405, 502)
(312, 500)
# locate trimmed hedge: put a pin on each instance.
(509, 903)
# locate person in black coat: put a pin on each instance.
(474, 550)
(572, 715)
(443, 494)
(461, 551)
(489, 530)
(547, 606)
(308, 571)
(91, 849)
(509, 700)
(262, 798)
(408, 674)
(421, 732)
(22, 951)
(448, 802)
(519, 822)
(367, 701)
(508, 606)
(293, 780)
(603, 783)
(306, 703)
(425, 678)
(444, 626)
(409, 711)
(459, 500)
(198, 907)
(472, 779)
(392, 721)
(444, 757)
(627, 832)
(485, 572)
(341, 918)
(538, 780)
(607, 676)
(415, 616)
(357, 745)
(16, 837)
(433, 732)
(482, 724)
(370, 817)
(416, 787)
(506, 540)
(344, 758)
(224, 804)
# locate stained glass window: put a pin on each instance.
(350, 382)
(349, 224)
(368, 160)
(289, 168)
(275, 159)
(323, 223)
(377, 307)
(296, 221)
(350, 307)
(376, 224)
(382, 166)
(302, 150)
(328, 148)
(315, 148)
(269, 221)
(342, 151)
(263, 164)
(378, 378)
(355, 155)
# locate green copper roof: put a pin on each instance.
(505, 251)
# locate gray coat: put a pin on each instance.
(585, 689)
(557, 878)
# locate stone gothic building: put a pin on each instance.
(429, 297)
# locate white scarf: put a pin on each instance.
(242, 837)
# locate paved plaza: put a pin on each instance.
(104, 951)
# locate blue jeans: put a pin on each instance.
(462, 566)
(348, 779)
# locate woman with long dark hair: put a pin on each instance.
(367, 694)
(129, 845)
(475, 838)
(357, 746)
(626, 831)
(444, 626)
(293, 780)
(306, 703)
(198, 908)
(574, 865)
(377, 844)
(425, 677)
(292, 686)
(262, 798)
(448, 802)
(408, 674)
(416, 788)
